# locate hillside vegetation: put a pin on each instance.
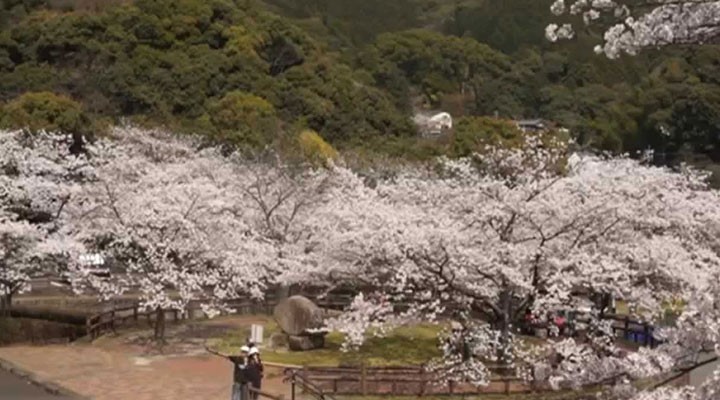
(249, 72)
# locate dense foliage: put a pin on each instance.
(177, 61)
(624, 104)
(486, 240)
(248, 71)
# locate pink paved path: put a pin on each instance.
(114, 374)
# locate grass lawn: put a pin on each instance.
(668, 306)
(413, 345)
(405, 346)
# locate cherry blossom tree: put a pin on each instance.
(17, 243)
(40, 174)
(484, 241)
(691, 343)
(517, 231)
(642, 24)
(165, 211)
(26, 251)
(179, 222)
(280, 199)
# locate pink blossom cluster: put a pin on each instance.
(641, 25)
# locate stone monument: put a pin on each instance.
(302, 321)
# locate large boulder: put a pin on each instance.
(278, 340)
(306, 342)
(296, 315)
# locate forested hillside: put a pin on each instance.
(247, 72)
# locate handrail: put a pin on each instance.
(281, 365)
(307, 385)
(265, 394)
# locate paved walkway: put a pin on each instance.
(116, 374)
(14, 388)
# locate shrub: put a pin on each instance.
(243, 119)
(316, 150)
(471, 134)
(48, 111)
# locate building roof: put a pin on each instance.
(536, 121)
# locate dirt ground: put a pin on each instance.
(126, 366)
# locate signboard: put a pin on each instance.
(256, 334)
(92, 259)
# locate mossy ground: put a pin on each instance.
(404, 346)
(409, 345)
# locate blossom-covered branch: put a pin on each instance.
(39, 176)
(647, 24)
(487, 246)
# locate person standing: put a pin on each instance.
(255, 371)
(240, 370)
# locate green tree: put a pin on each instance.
(315, 150)
(243, 119)
(47, 111)
(166, 60)
(472, 134)
(435, 63)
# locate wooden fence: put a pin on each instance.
(131, 314)
(402, 381)
(307, 387)
(125, 313)
(262, 394)
(323, 383)
(108, 321)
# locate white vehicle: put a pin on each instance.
(95, 265)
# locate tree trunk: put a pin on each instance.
(159, 324)
(504, 325)
(4, 308)
(282, 293)
(603, 301)
(607, 305)
(6, 301)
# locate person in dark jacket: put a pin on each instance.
(254, 353)
(255, 370)
(241, 373)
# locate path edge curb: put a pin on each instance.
(49, 387)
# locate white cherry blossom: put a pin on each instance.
(644, 24)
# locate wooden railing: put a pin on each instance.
(260, 393)
(322, 382)
(298, 379)
(108, 321)
(132, 315)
